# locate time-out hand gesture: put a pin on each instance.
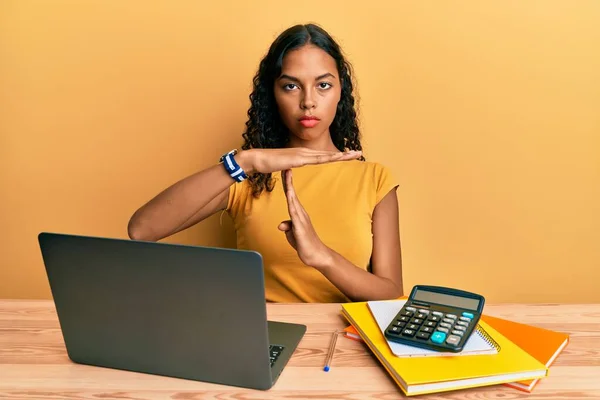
(299, 230)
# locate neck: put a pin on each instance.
(323, 142)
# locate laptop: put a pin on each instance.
(182, 311)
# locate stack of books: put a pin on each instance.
(498, 352)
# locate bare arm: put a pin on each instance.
(182, 205)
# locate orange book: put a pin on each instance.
(351, 333)
(542, 344)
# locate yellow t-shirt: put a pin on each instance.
(340, 199)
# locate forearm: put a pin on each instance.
(192, 198)
(171, 208)
(356, 283)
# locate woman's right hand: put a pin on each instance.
(272, 160)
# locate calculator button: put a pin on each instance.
(431, 324)
(439, 314)
(445, 325)
(404, 319)
(467, 314)
(451, 316)
(460, 328)
(445, 330)
(395, 330)
(421, 316)
(411, 309)
(426, 329)
(408, 332)
(424, 311)
(417, 321)
(459, 333)
(423, 335)
(438, 337)
(463, 323)
(448, 320)
(465, 319)
(433, 318)
(406, 313)
(453, 340)
(400, 324)
(413, 326)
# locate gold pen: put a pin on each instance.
(331, 351)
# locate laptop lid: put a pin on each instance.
(176, 310)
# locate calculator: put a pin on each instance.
(436, 318)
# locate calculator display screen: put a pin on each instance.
(441, 298)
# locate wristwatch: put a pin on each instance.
(232, 167)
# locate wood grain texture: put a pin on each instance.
(34, 363)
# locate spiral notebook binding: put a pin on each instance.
(488, 339)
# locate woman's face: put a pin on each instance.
(307, 92)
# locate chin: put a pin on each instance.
(308, 134)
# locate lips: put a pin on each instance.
(309, 121)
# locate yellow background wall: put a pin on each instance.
(488, 113)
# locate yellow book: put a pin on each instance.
(424, 375)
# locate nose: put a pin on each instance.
(308, 100)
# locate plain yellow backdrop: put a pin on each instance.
(488, 113)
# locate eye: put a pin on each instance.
(289, 86)
(324, 85)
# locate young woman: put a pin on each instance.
(330, 232)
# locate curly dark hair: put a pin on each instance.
(265, 129)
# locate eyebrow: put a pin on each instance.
(292, 78)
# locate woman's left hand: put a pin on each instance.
(299, 230)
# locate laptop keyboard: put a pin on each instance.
(274, 352)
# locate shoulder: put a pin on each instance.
(370, 177)
(369, 169)
(376, 168)
(380, 176)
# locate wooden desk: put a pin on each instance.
(34, 363)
